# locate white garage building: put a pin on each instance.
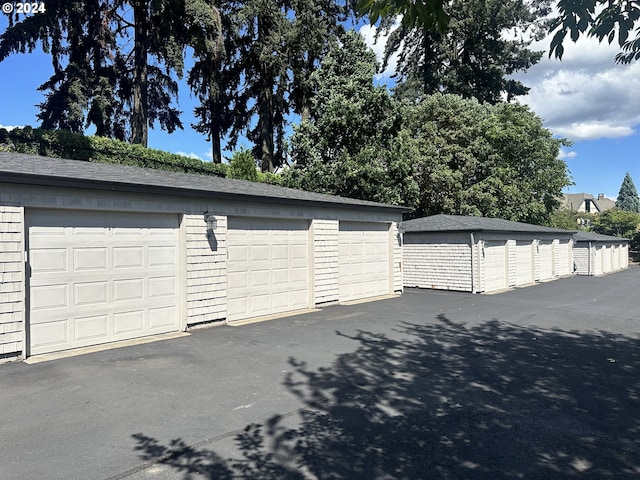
(597, 254)
(482, 255)
(95, 253)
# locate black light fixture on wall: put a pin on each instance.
(211, 222)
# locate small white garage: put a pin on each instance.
(95, 253)
(597, 254)
(482, 255)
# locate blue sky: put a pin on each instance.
(586, 98)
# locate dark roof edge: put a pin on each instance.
(45, 180)
(491, 230)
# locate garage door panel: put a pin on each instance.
(89, 259)
(98, 276)
(162, 287)
(165, 256)
(260, 278)
(126, 290)
(259, 253)
(50, 334)
(237, 253)
(92, 327)
(128, 257)
(49, 259)
(128, 322)
(47, 297)
(90, 293)
(162, 317)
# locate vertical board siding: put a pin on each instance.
(397, 258)
(325, 261)
(206, 270)
(513, 263)
(11, 281)
(438, 261)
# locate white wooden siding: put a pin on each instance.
(12, 293)
(206, 270)
(325, 261)
(396, 245)
(437, 261)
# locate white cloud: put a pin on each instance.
(586, 95)
(565, 154)
(190, 155)
(10, 127)
(368, 32)
(590, 131)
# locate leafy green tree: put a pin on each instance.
(619, 223)
(488, 160)
(352, 145)
(473, 58)
(628, 196)
(603, 19)
(242, 166)
(570, 220)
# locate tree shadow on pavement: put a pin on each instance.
(447, 401)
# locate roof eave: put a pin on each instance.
(50, 181)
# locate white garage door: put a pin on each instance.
(615, 257)
(565, 266)
(99, 277)
(268, 267)
(606, 259)
(524, 262)
(545, 248)
(597, 264)
(495, 265)
(363, 251)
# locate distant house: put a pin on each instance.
(585, 202)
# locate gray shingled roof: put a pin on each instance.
(33, 169)
(597, 237)
(459, 223)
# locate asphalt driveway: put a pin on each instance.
(535, 383)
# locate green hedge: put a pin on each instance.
(75, 146)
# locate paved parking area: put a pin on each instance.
(536, 383)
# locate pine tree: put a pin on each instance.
(103, 78)
(472, 58)
(628, 196)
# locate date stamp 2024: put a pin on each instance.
(23, 7)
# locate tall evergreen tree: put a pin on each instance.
(472, 58)
(100, 76)
(628, 196)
